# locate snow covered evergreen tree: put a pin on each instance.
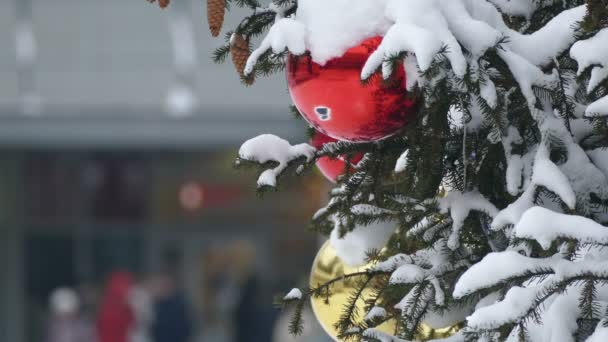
(499, 185)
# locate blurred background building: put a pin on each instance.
(117, 136)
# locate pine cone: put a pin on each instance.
(239, 50)
(215, 15)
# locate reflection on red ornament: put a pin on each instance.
(333, 99)
(331, 168)
(191, 196)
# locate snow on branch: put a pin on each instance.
(381, 336)
(486, 274)
(418, 293)
(352, 248)
(599, 156)
(524, 8)
(528, 75)
(401, 163)
(555, 37)
(370, 210)
(543, 289)
(583, 176)
(546, 226)
(427, 224)
(598, 108)
(561, 309)
(326, 28)
(393, 263)
(578, 175)
(515, 163)
(412, 274)
(601, 332)
(424, 28)
(270, 148)
(517, 303)
(335, 26)
(592, 53)
(294, 294)
(413, 38)
(284, 34)
(547, 174)
(434, 260)
(377, 312)
(460, 206)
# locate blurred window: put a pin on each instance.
(113, 253)
(49, 262)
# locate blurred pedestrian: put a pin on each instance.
(248, 319)
(142, 305)
(116, 318)
(172, 315)
(220, 294)
(66, 323)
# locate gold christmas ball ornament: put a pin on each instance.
(328, 266)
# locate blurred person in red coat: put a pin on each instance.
(116, 318)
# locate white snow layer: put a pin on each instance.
(286, 33)
(332, 27)
(517, 302)
(402, 162)
(294, 294)
(381, 336)
(547, 174)
(494, 268)
(554, 38)
(375, 313)
(459, 206)
(559, 312)
(592, 52)
(598, 108)
(438, 319)
(515, 165)
(270, 148)
(578, 175)
(546, 226)
(422, 27)
(599, 157)
(600, 334)
(408, 274)
(523, 8)
(368, 209)
(353, 246)
(411, 274)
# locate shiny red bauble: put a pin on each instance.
(333, 168)
(334, 101)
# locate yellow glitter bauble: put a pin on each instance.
(328, 266)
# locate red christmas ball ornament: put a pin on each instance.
(333, 168)
(333, 99)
